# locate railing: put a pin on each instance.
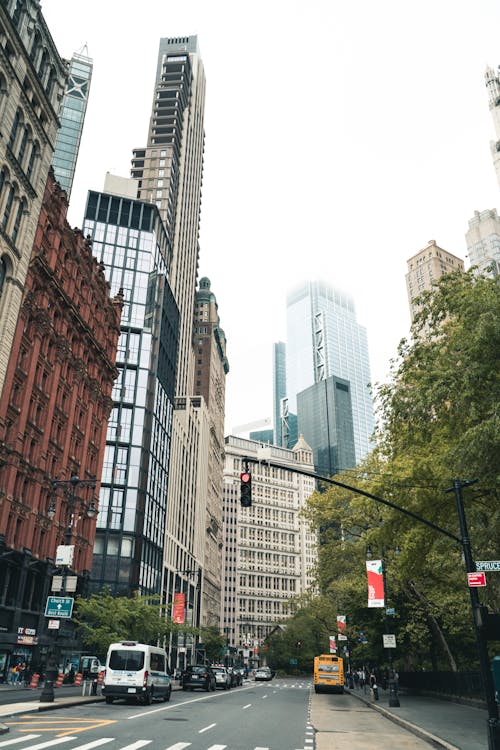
(461, 684)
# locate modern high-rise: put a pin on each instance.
(483, 241)
(129, 239)
(73, 110)
(425, 268)
(279, 388)
(492, 79)
(270, 550)
(324, 339)
(169, 170)
(32, 81)
(324, 412)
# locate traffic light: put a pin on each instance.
(245, 489)
(299, 644)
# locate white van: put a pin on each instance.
(136, 670)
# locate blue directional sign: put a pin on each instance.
(59, 606)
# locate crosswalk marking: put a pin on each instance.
(217, 747)
(136, 745)
(19, 739)
(50, 743)
(96, 743)
(178, 746)
(205, 729)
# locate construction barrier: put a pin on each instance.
(60, 680)
(100, 678)
(89, 687)
(34, 681)
(78, 679)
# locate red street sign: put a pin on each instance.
(476, 579)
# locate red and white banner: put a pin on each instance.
(333, 645)
(375, 583)
(178, 614)
(341, 627)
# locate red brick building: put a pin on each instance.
(54, 410)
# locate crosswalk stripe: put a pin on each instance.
(95, 743)
(217, 747)
(135, 745)
(19, 739)
(178, 746)
(50, 743)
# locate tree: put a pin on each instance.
(213, 643)
(438, 418)
(103, 619)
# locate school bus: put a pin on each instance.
(328, 673)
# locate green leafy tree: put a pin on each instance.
(439, 418)
(103, 619)
(213, 643)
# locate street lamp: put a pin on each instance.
(47, 695)
(393, 696)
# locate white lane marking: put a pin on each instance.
(96, 743)
(173, 706)
(178, 746)
(247, 706)
(217, 747)
(135, 745)
(19, 739)
(264, 696)
(50, 743)
(261, 748)
(205, 729)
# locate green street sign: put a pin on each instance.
(59, 606)
(293, 661)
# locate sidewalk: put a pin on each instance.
(455, 726)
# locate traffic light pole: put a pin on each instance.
(464, 542)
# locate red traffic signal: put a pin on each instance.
(245, 489)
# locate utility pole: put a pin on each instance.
(477, 612)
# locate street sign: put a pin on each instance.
(54, 624)
(293, 661)
(389, 640)
(390, 611)
(59, 606)
(64, 554)
(488, 566)
(476, 579)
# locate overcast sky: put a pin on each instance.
(341, 136)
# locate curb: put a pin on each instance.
(413, 728)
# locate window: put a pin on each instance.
(3, 274)
(8, 207)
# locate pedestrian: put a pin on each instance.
(21, 670)
(356, 678)
(14, 675)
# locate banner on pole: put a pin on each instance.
(178, 613)
(333, 645)
(341, 624)
(375, 583)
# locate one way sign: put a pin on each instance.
(59, 606)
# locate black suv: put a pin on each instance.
(198, 676)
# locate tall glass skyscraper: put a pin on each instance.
(279, 387)
(73, 110)
(129, 238)
(324, 339)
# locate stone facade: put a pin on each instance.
(53, 414)
(32, 81)
(425, 268)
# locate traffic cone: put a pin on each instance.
(78, 679)
(34, 681)
(59, 681)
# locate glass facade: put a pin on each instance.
(279, 387)
(129, 239)
(72, 117)
(325, 421)
(324, 339)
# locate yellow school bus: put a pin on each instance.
(328, 673)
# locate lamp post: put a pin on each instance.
(393, 695)
(47, 695)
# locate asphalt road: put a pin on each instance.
(256, 716)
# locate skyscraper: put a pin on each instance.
(483, 241)
(325, 339)
(279, 388)
(129, 239)
(492, 79)
(425, 267)
(73, 110)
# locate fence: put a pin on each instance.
(461, 684)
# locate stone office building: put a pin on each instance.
(53, 416)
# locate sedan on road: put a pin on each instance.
(222, 678)
(263, 673)
(198, 676)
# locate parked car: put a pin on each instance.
(198, 676)
(263, 673)
(222, 678)
(236, 678)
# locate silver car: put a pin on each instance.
(222, 677)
